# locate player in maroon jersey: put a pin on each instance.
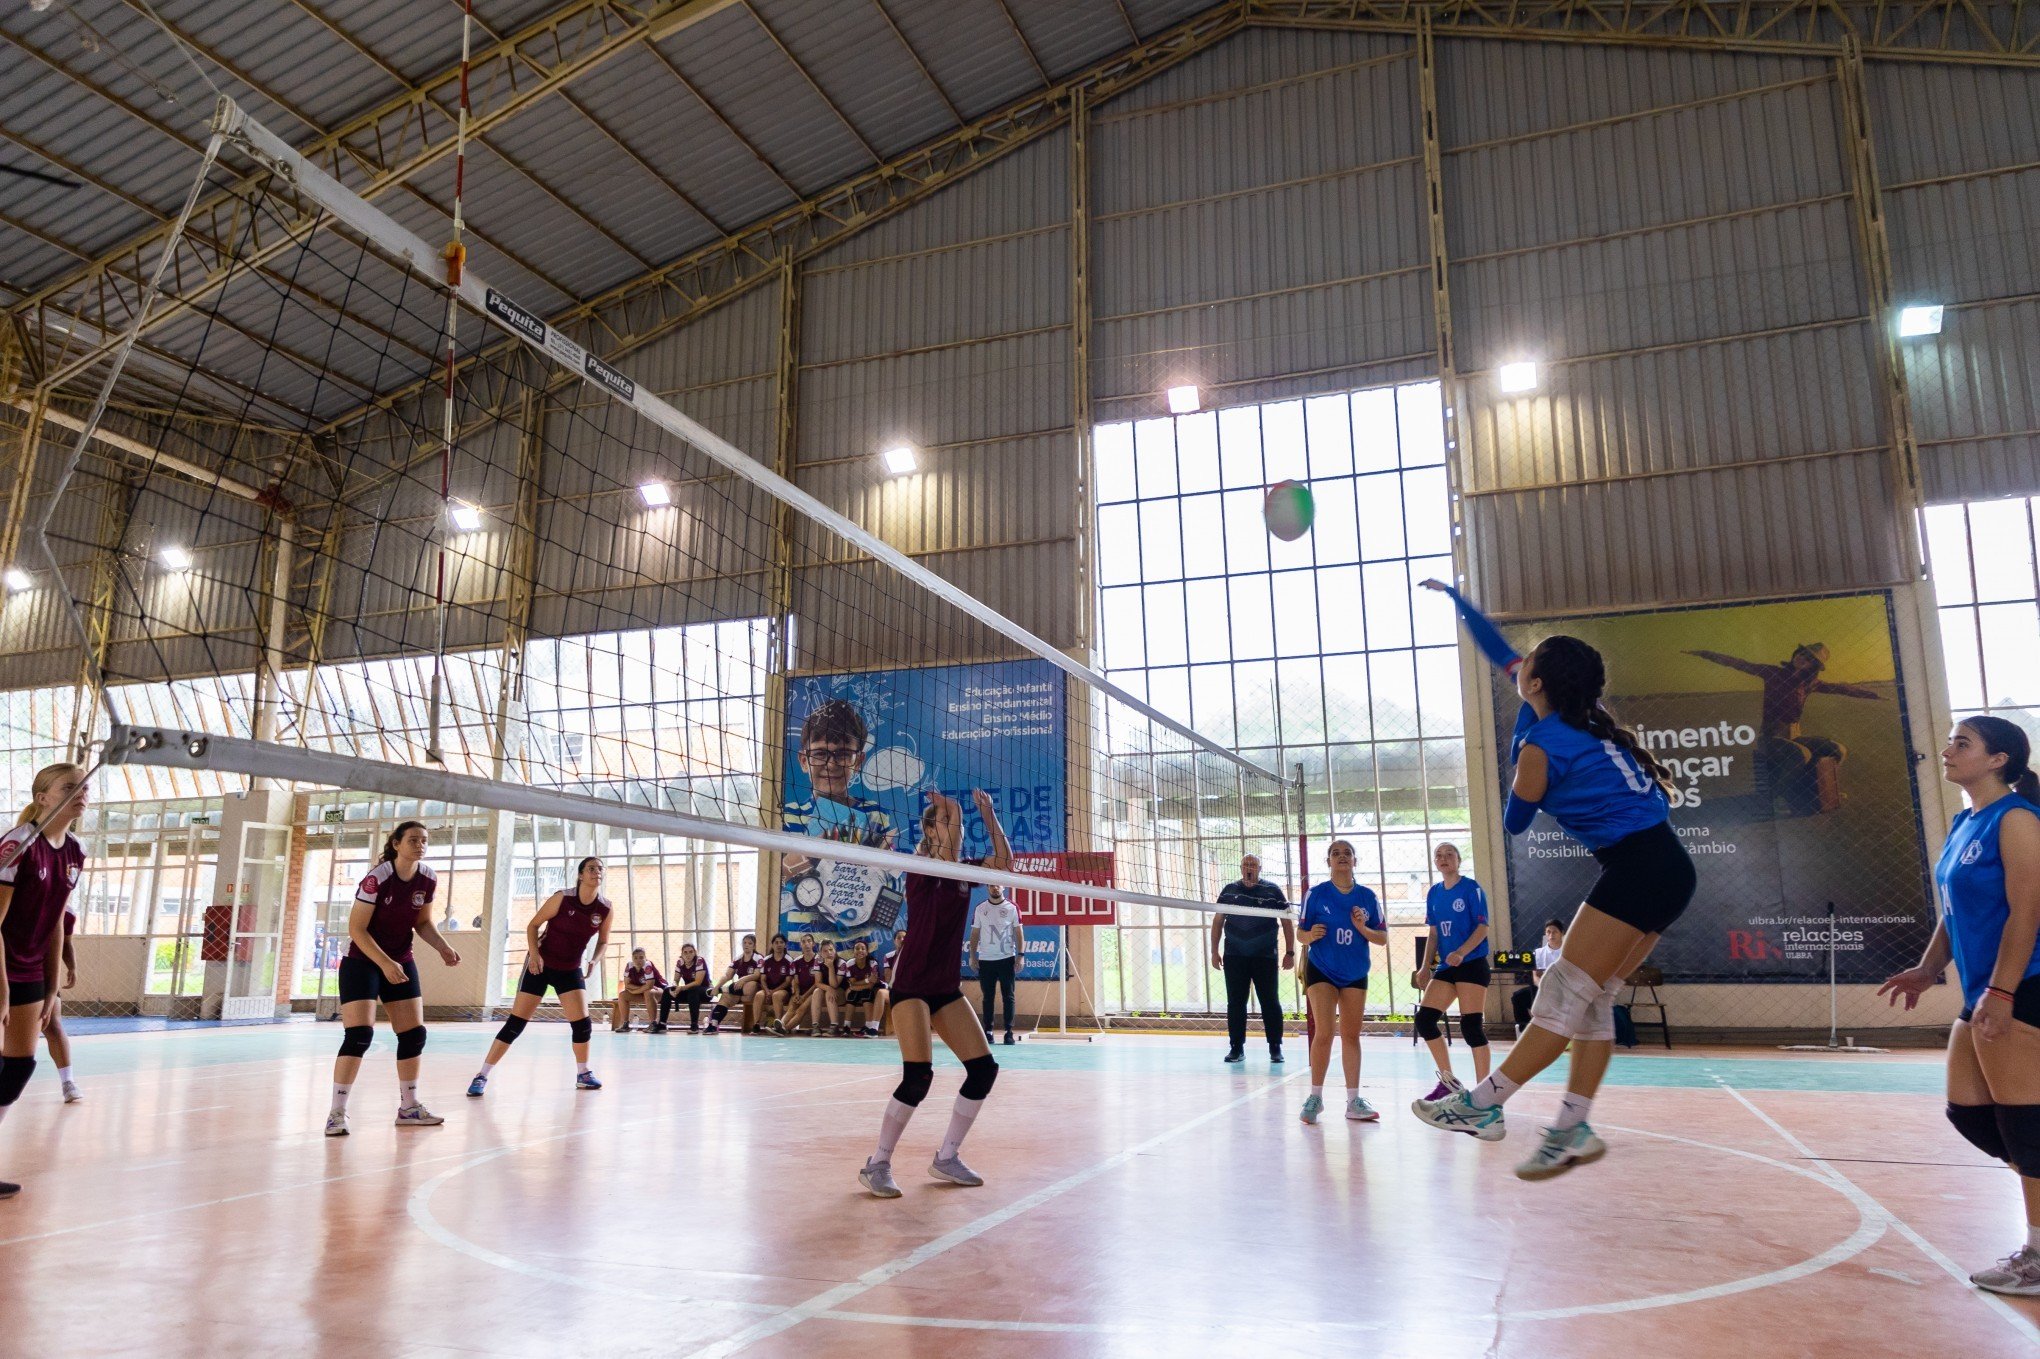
(800, 996)
(737, 988)
(54, 1037)
(775, 992)
(555, 949)
(860, 987)
(40, 861)
(927, 994)
(393, 903)
(689, 988)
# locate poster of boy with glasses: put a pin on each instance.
(836, 900)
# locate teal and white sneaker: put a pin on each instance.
(586, 1081)
(1560, 1151)
(1360, 1111)
(418, 1116)
(478, 1087)
(1456, 1113)
(1312, 1107)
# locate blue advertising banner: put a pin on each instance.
(861, 751)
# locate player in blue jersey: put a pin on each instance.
(1341, 917)
(1989, 879)
(1456, 968)
(1585, 771)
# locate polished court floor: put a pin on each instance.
(1142, 1199)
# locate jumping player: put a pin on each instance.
(40, 861)
(1989, 875)
(393, 902)
(1456, 910)
(1341, 917)
(1591, 776)
(556, 947)
(928, 994)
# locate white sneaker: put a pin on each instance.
(336, 1123)
(956, 1172)
(2017, 1275)
(877, 1178)
(418, 1116)
(1560, 1151)
(72, 1094)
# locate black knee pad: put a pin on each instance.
(719, 1013)
(355, 1040)
(14, 1074)
(915, 1078)
(581, 1028)
(1473, 1028)
(511, 1028)
(1978, 1125)
(2019, 1127)
(410, 1043)
(1428, 1023)
(978, 1075)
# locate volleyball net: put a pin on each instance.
(351, 516)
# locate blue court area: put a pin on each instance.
(1129, 1055)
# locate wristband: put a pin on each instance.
(1998, 991)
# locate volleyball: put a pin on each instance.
(1289, 510)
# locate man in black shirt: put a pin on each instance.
(1249, 957)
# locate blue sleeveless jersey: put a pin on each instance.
(1457, 912)
(1342, 957)
(1971, 876)
(1597, 791)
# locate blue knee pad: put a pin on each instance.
(511, 1028)
(915, 1078)
(1429, 1023)
(1473, 1028)
(978, 1075)
(2019, 1126)
(581, 1028)
(355, 1040)
(410, 1043)
(14, 1074)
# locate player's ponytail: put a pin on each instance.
(1574, 678)
(2008, 739)
(45, 779)
(389, 849)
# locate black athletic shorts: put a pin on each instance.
(361, 979)
(1472, 972)
(860, 995)
(2025, 1003)
(935, 1004)
(560, 979)
(1646, 880)
(34, 992)
(1311, 977)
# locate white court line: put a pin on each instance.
(970, 1231)
(2016, 1319)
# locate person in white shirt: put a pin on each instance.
(1523, 997)
(996, 941)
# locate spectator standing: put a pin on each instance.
(1248, 957)
(996, 945)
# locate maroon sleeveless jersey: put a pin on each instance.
(42, 876)
(399, 906)
(929, 961)
(564, 939)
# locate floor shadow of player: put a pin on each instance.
(1797, 774)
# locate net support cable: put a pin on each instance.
(166, 749)
(526, 325)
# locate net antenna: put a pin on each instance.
(331, 374)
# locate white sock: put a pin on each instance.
(582, 1067)
(1572, 1110)
(2032, 1228)
(1317, 1092)
(960, 1118)
(63, 1075)
(487, 1067)
(340, 1093)
(890, 1127)
(1496, 1089)
(407, 1094)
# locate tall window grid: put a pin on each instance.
(1319, 652)
(1982, 555)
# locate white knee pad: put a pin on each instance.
(1600, 1024)
(1565, 1001)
